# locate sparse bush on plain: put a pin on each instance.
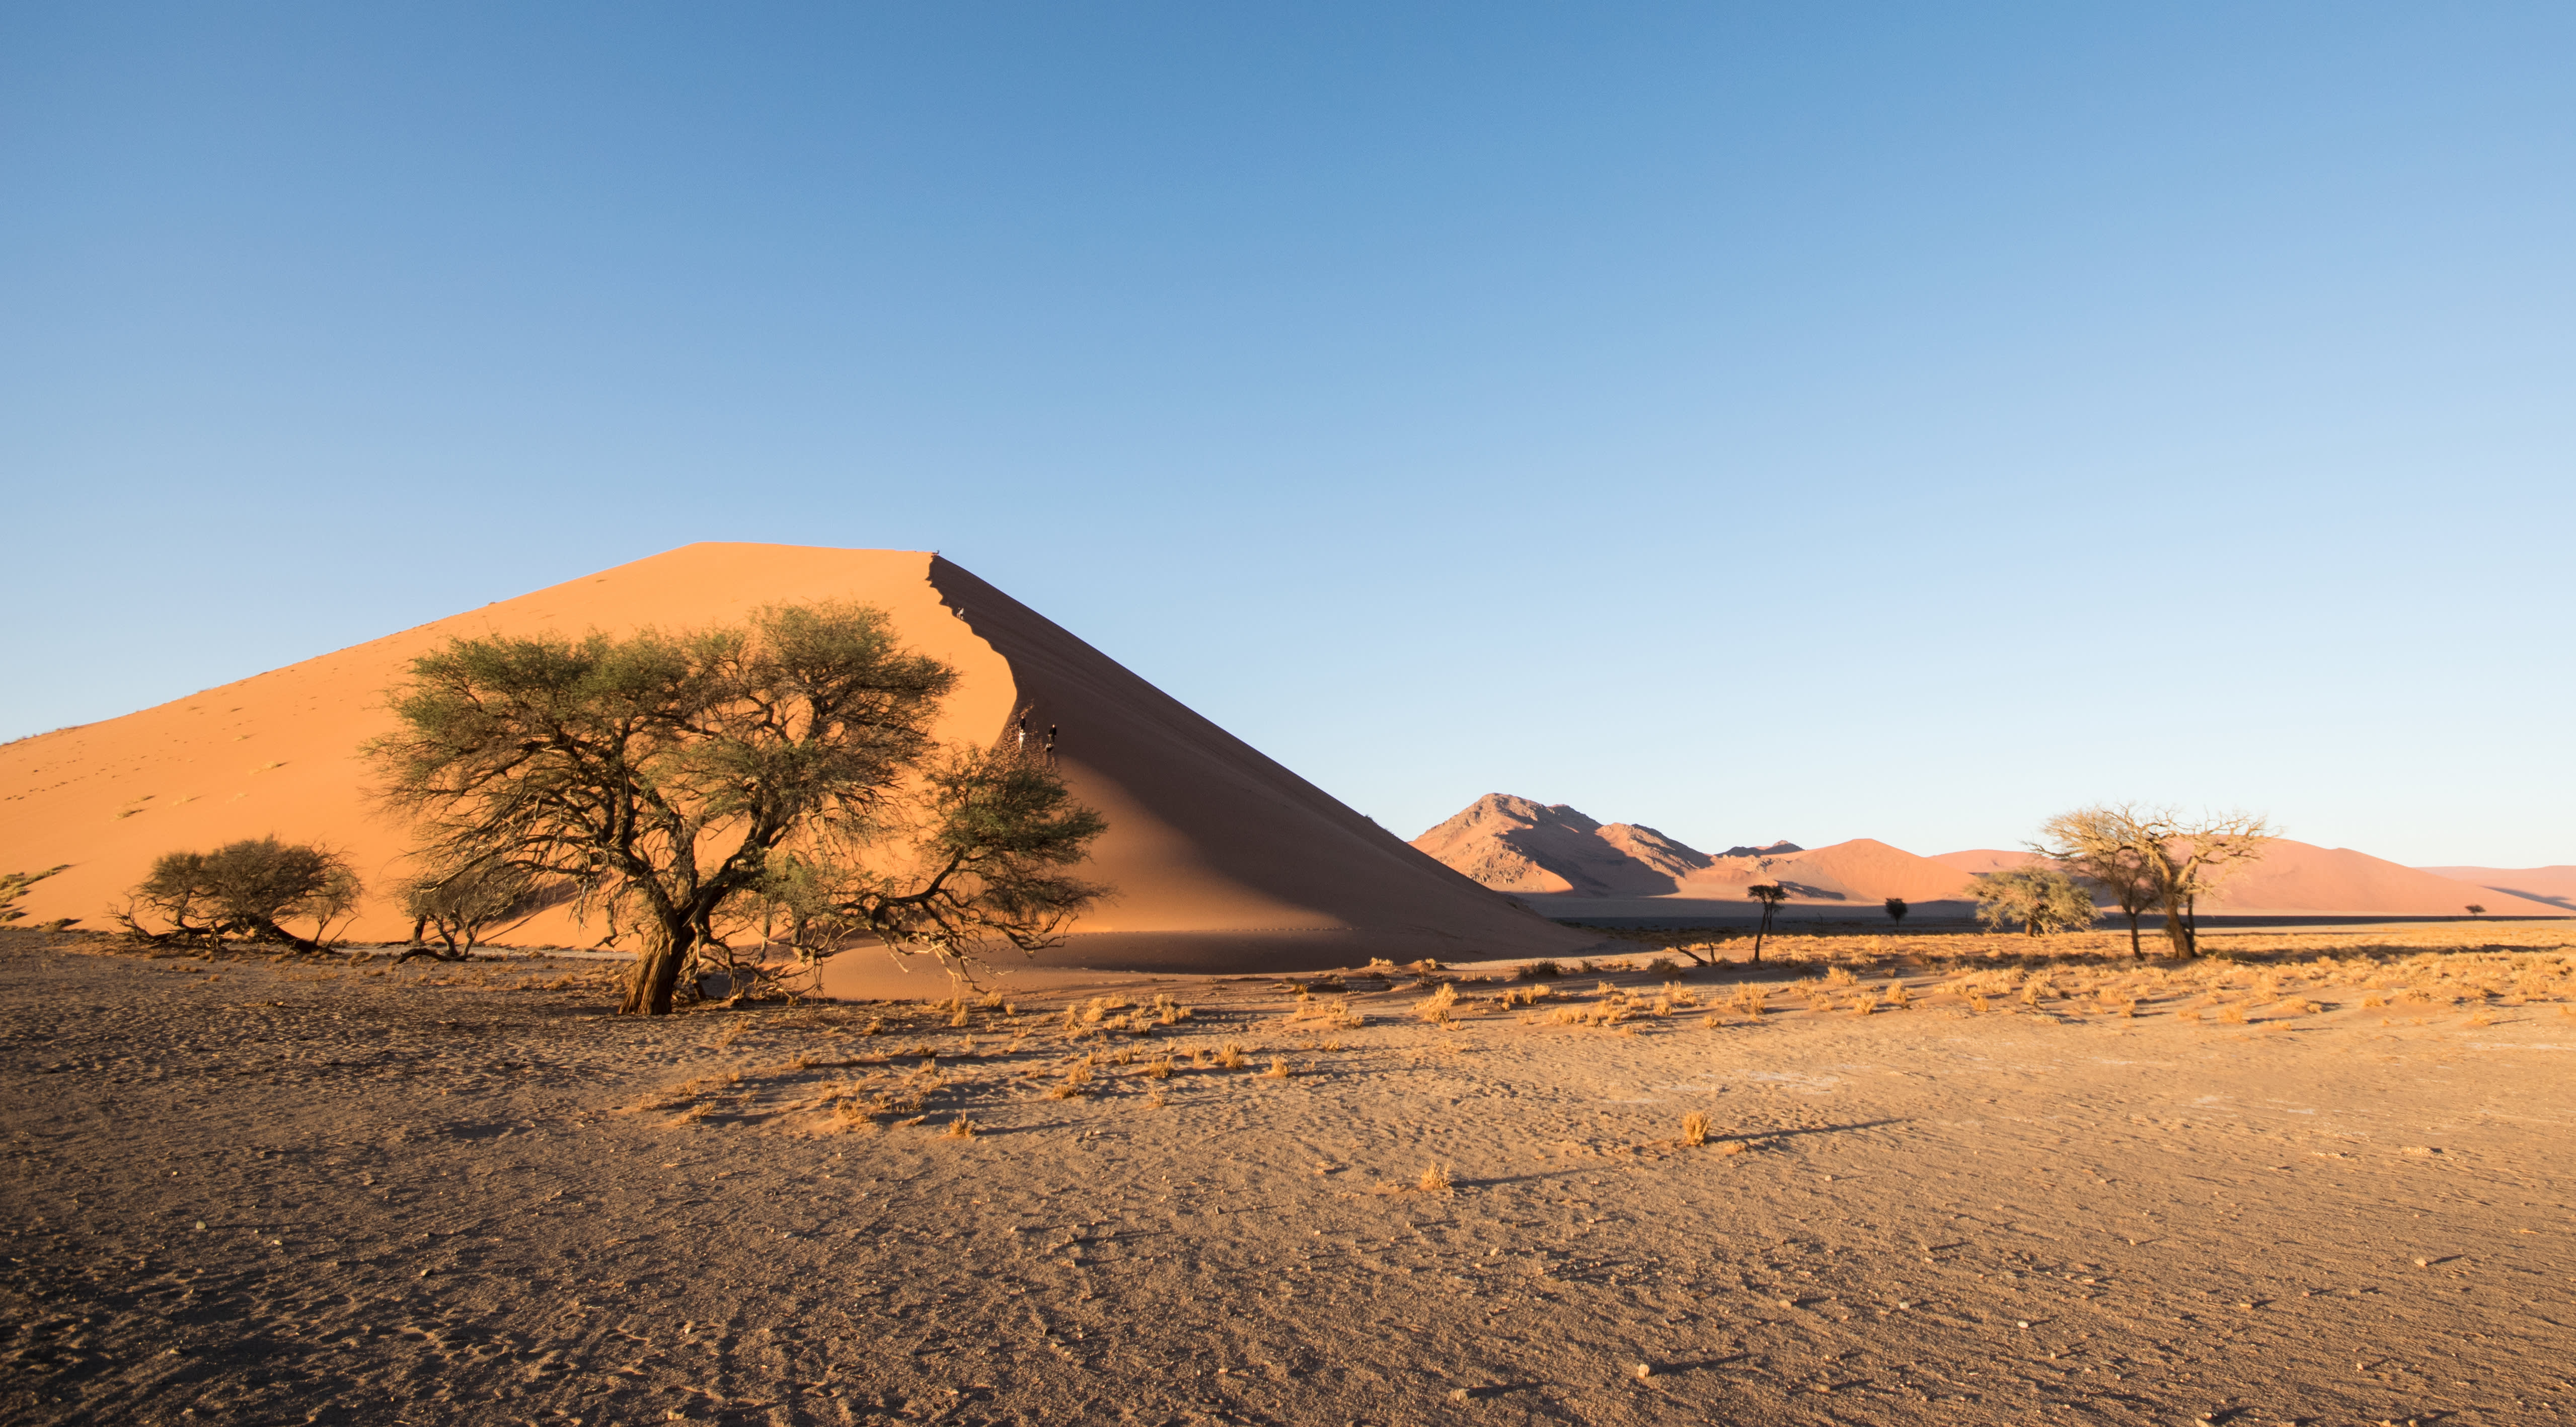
(245, 891)
(463, 906)
(2039, 899)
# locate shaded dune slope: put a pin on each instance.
(2554, 885)
(1223, 859)
(2298, 877)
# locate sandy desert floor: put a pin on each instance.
(252, 1192)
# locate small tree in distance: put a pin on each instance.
(464, 906)
(1896, 909)
(666, 777)
(246, 889)
(1770, 895)
(2476, 911)
(2040, 898)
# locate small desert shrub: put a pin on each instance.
(961, 1128)
(1695, 1127)
(1169, 1012)
(1278, 1069)
(1840, 976)
(1434, 1180)
(1436, 1007)
(244, 889)
(1076, 1081)
(1533, 970)
(1898, 996)
(1230, 1057)
(1158, 1069)
(2232, 1014)
(1664, 966)
(1748, 999)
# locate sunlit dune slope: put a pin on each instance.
(1983, 859)
(1516, 845)
(1222, 858)
(1863, 870)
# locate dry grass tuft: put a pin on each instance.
(1076, 1082)
(1437, 1007)
(1434, 1180)
(961, 1128)
(1278, 1069)
(1230, 1057)
(1695, 1128)
(1158, 1069)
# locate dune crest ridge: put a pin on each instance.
(1223, 860)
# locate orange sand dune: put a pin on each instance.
(2554, 885)
(1555, 858)
(2299, 877)
(1515, 845)
(1223, 860)
(1860, 871)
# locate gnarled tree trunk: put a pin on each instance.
(2178, 928)
(657, 973)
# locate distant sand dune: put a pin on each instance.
(1566, 865)
(2554, 885)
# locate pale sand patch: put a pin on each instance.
(483, 1202)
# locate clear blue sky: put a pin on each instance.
(1803, 421)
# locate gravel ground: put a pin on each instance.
(253, 1192)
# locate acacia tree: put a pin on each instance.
(245, 889)
(465, 905)
(1896, 909)
(666, 776)
(1770, 895)
(2089, 844)
(2042, 899)
(2176, 860)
